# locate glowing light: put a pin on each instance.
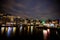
(14, 29)
(2, 29)
(51, 25)
(48, 30)
(21, 28)
(31, 29)
(31, 23)
(44, 31)
(45, 34)
(28, 28)
(9, 31)
(6, 29)
(43, 22)
(46, 25)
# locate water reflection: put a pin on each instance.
(2, 30)
(14, 30)
(28, 29)
(31, 29)
(45, 34)
(48, 31)
(21, 28)
(9, 31)
(6, 29)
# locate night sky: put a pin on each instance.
(32, 8)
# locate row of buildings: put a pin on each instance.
(9, 20)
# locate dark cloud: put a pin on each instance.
(32, 8)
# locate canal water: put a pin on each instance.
(29, 33)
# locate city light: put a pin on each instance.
(2, 29)
(43, 22)
(6, 29)
(31, 23)
(30, 19)
(48, 30)
(11, 25)
(31, 29)
(28, 29)
(14, 30)
(21, 28)
(45, 34)
(9, 31)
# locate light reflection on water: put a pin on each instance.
(48, 31)
(45, 34)
(21, 28)
(31, 29)
(6, 29)
(2, 30)
(9, 31)
(28, 29)
(14, 30)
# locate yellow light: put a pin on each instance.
(11, 19)
(14, 29)
(28, 28)
(6, 29)
(2, 29)
(31, 29)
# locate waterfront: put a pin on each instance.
(15, 27)
(31, 33)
